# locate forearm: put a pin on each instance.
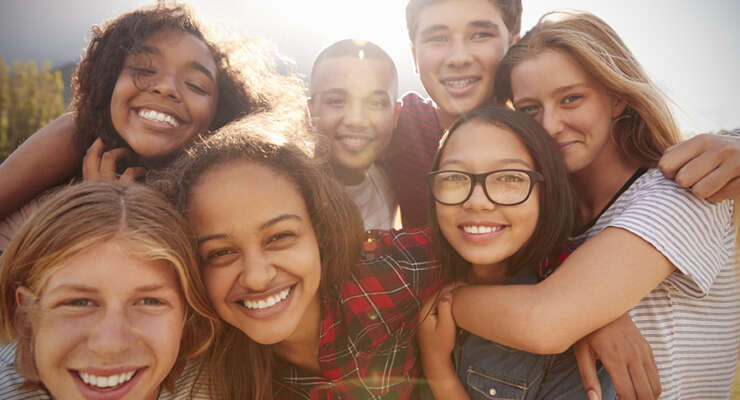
(46, 159)
(443, 380)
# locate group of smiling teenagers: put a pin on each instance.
(230, 234)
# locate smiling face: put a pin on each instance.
(457, 48)
(574, 108)
(259, 252)
(353, 104)
(483, 233)
(166, 95)
(107, 330)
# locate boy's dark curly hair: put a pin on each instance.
(247, 79)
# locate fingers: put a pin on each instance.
(91, 161)
(131, 174)
(108, 163)
(707, 164)
(587, 368)
(98, 165)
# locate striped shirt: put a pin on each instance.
(10, 381)
(410, 156)
(692, 318)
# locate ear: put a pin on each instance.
(397, 113)
(24, 296)
(413, 55)
(618, 106)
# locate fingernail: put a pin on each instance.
(446, 297)
(592, 395)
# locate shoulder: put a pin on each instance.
(413, 102)
(10, 379)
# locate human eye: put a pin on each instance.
(482, 35)
(138, 70)
(197, 88)
(78, 303)
(334, 101)
(570, 99)
(281, 238)
(435, 38)
(378, 103)
(150, 301)
(511, 178)
(528, 109)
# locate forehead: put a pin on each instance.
(179, 46)
(111, 266)
(355, 75)
(480, 142)
(234, 197)
(535, 73)
(458, 14)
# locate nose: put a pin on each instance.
(166, 85)
(112, 334)
(257, 272)
(459, 54)
(478, 201)
(552, 121)
(354, 116)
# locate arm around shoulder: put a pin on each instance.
(47, 158)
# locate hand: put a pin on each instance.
(101, 166)
(437, 330)
(707, 164)
(627, 356)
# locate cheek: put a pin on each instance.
(217, 282)
(445, 219)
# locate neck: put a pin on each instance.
(350, 177)
(302, 347)
(600, 181)
(488, 274)
(445, 120)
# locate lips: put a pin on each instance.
(265, 305)
(459, 83)
(156, 116)
(354, 143)
(106, 386)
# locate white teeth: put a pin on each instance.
(460, 83)
(268, 302)
(481, 229)
(157, 116)
(106, 381)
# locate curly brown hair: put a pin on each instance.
(247, 79)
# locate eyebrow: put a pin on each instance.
(265, 225)
(484, 24)
(433, 29)
(193, 64)
(502, 161)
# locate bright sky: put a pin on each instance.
(690, 48)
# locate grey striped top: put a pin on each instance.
(692, 319)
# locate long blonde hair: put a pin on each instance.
(646, 128)
(86, 214)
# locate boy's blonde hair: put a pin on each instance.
(87, 214)
(646, 128)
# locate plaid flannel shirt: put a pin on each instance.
(367, 347)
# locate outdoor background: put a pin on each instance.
(690, 48)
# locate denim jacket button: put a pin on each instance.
(492, 391)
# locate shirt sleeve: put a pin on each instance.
(696, 236)
(11, 380)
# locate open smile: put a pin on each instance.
(269, 305)
(106, 386)
(354, 143)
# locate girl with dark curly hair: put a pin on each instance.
(150, 82)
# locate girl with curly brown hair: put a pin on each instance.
(150, 82)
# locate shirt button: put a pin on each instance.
(492, 391)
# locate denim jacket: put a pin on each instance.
(492, 371)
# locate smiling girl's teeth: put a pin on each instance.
(157, 116)
(481, 229)
(106, 381)
(460, 83)
(268, 302)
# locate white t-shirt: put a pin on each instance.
(375, 199)
(692, 318)
(10, 381)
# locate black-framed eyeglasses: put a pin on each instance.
(504, 187)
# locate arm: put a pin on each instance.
(707, 164)
(436, 337)
(46, 159)
(596, 284)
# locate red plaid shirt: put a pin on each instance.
(367, 348)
